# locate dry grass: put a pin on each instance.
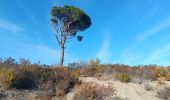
(89, 91)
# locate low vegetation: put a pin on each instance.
(122, 72)
(58, 81)
(160, 74)
(89, 91)
(24, 75)
(7, 77)
(124, 77)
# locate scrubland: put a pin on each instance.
(82, 81)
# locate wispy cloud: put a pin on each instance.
(47, 55)
(159, 54)
(9, 26)
(34, 52)
(31, 15)
(104, 52)
(43, 50)
(128, 56)
(154, 30)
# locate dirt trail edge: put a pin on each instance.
(125, 90)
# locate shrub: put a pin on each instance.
(75, 73)
(64, 86)
(160, 74)
(103, 92)
(74, 66)
(161, 80)
(6, 77)
(24, 80)
(93, 68)
(124, 77)
(60, 93)
(148, 87)
(61, 72)
(85, 92)
(164, 93)
(168, 77)
(117, 98)
(148, 72)
(95, 65)
(27, 77)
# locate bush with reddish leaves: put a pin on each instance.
(25, 75)
(85, 92)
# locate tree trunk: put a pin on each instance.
(62, 56)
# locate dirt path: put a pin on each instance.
(125, 90)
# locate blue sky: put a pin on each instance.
(131, 32)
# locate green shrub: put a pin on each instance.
(6, 77)
(160, 72)
(94, 64)
(168, 77)
(94, 67)
(123, 77)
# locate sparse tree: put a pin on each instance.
(67, 21)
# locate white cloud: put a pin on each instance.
(46, 54)
(9, 26)
(34, 52)
(104, 52)
(130, 56)
(42, 53)
(154, 30)
(42, 50)
(158, 55)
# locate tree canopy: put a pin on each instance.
(73, 18)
